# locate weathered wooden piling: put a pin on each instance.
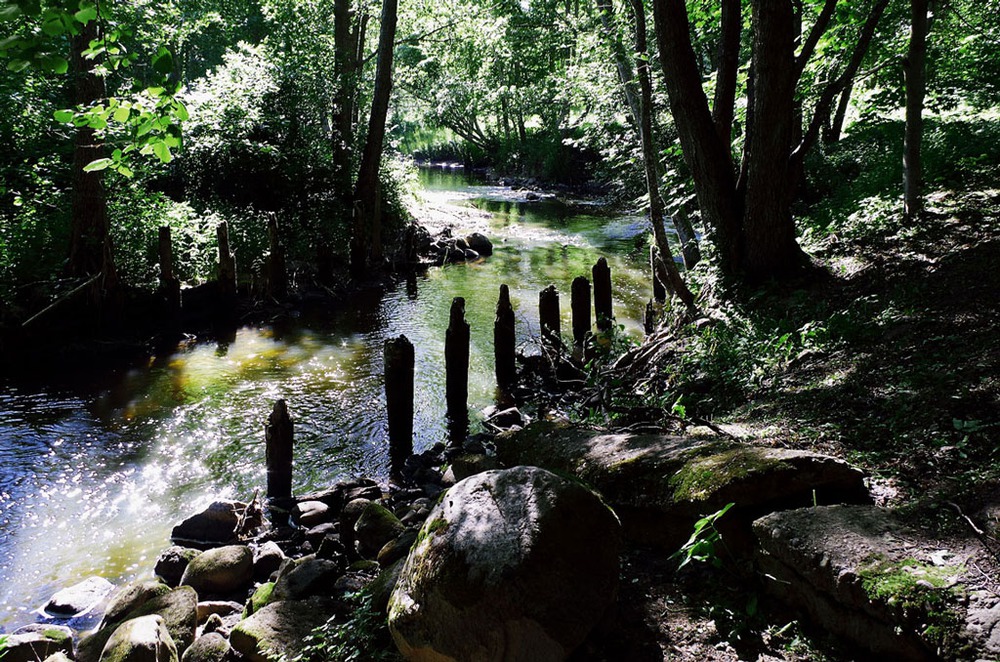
(227, 268)
(278, 452)
(456, 362)
(548, 317)
(504, 344)
(580, 304)
(603, 307)
(399, 362)
(659, 290)
(649, 318)
(277, 274)
(170, 287)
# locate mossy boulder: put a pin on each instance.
(261, 598)
(211, 647)
(178, 609)
(37, 642)
(172, 562)
(143, 639)
(518, 564)
(279, 629)
(308, 577)
(376, 526)
(862, 574)
(661, 484)
(131, 598)
(220, 571)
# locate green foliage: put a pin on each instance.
(701, 546)
(362, 637)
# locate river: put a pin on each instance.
(94, 473)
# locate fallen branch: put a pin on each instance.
(62, 299)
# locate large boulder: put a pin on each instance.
(310, 576)
(212, 527)
(37, 642)
(79, 598)
(279, 629)
(143, 639)
(479, 243)
(220, 571)
(131, 598)
(862, 574)
(211, 647)
(660, 485)
(511, 565)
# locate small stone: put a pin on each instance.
(266, 559)
(310, 513)
(79, 598)
(213, 623)
(220, 607)
(172, 562)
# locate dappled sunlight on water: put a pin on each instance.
(92, 478)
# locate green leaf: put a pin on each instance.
(55, 64)
(63, 116)
(181, 111)
(87, 13)
(99, 164)
(121, 115)
(163, 61)
(125, 170)
(163, 152)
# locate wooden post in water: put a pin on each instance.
(504, 345)
(456, 366)
(649, 318)
(580, 303)
(548, 317)
(170, 287)
(227, 274)
(278, 452)
(277, 275)
(659, 290)
(399, 363)
(603, 307)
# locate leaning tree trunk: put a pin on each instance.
(366, 221)
(916, 83)
(90, 250)
(667, 268)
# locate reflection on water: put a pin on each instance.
(92, 478)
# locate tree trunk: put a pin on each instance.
(769, 231)
(833, 132)
(366, 190)
(915, 74)
(90, 249)
(345, 53)
(669, 274)
(704, 153)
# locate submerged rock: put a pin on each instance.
(79, 598)
(514, 565)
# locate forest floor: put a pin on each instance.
(895, 367)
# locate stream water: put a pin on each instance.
(94, 474)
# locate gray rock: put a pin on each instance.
(348, 518)
(220, 571)
(507, 418)
(266, 559)
(220, 607)
(79, 598)
(178, 608)
(143, 639)
(211, 647)
(131, 598)
(172, 562)
(58, 656)
(311, 576)
(279, 629)
(375, 527)
(661, 485)
(310, 513)
(467, 465)
(214, 526)
(511, 565)
(37, 642)
(479, 243)
(397, 548)
(863, 575)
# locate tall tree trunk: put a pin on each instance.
(669, 275)
(915, 74)
(366, 190)
(345, 54)
(835, 129)
(706, 156)
(724, 104)
(90, 250)
(769, 230)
